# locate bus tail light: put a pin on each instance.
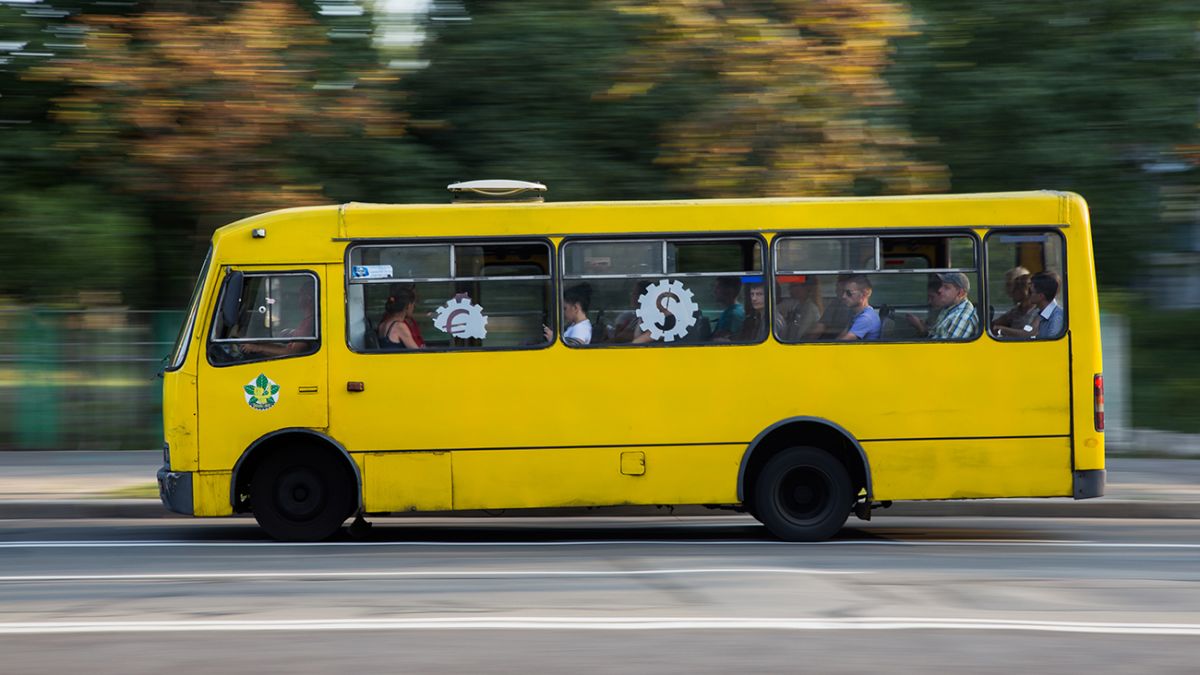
(1098, 399)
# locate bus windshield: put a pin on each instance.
(179, 352)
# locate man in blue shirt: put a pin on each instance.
(1049, 321)
(864, 321)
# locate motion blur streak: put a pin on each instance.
(559, 623)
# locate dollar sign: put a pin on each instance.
(668, 320)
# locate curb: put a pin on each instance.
(67, 509)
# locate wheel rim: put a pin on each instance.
(300, 494)
(804, 494)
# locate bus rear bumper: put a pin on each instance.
(1089, 483)
(175, 490)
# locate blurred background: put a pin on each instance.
(129, 130)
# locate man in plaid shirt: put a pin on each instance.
(958, 319)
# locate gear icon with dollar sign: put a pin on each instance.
(667, 310)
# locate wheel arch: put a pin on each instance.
(256, 452)
(803, 430)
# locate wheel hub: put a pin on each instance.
(300, 495)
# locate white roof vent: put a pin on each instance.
(496, 191)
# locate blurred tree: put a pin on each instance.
(206, 109)
(511, 92)
(208, 112)
(60, 241)
(794, 100)
(62, 233)
(1091, 97)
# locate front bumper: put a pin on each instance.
(175, 490)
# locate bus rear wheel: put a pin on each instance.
(302, 494)
(803, 494)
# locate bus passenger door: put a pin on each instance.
(265, 361)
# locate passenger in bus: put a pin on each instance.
(729, 323)
(864, 320)
(576, 301)
(298, 310)
(957, 318)
(627, 326)
(921, 325)
(1012, 323)
(800, 312)
(754, 326)
(836, 316)
(1049, 321)
(398, 330)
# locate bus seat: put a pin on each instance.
(371, 335)
(601, 331)
(887, 322)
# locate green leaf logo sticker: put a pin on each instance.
(262, 393)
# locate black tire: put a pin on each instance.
(302, 494)
(803, 494)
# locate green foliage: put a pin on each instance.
(513, 93)
(63, 231)
(1165, 369)
(59, 241)
(1081, 96)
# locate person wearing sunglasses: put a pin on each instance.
(864, 321)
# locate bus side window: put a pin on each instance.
(1016, 310)
(670, 292)
(465, 295)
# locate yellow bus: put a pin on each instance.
(796, 359)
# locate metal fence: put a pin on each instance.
(83, 379)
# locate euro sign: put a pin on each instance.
(452, 327)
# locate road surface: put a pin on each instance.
(611, 595)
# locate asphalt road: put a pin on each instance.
(616, 595)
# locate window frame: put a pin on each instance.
(216, 316)
(450, 242)
(1064, 284)
(664, 237)
(979, 272)
(183, 342)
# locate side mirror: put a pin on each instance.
(231, 300)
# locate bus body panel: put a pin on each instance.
(970, 468)
(406, 481)
(210, 490)
(542, 477)
(1084, 326)
(565, 397)
(179, 420)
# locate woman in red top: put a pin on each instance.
(398, 329)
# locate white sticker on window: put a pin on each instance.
(461, 318)
(371, 272)
(667, 310)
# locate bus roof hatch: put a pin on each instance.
(496, 191)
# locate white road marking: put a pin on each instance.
(429, 574)
(1054, 543)
(577, 623)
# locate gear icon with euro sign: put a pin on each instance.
(461, 318)
(667, 310)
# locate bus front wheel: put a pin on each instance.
(803, 494)
(301, 494)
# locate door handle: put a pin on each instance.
(308, 390)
